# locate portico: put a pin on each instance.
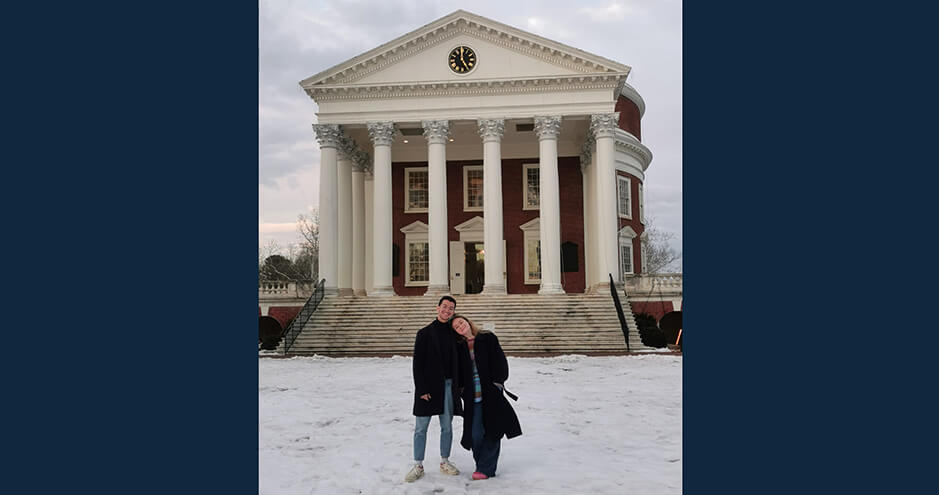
(415, 154)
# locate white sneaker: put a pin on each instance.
(415, 473)
(448, 468)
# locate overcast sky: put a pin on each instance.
(299, 38)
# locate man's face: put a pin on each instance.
(445, 310)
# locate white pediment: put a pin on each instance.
(533, 225)
(503, 53)
(627, 232)
(473, 224)
(417, 227)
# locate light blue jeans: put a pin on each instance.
(446, 426)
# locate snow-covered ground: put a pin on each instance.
(590, 425)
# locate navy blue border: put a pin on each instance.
(131, 179)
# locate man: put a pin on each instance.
(436, 387)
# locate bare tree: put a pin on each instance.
(660, 256)
(309, 227)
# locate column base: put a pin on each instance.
(493, 289)
(386, 291)
(601, 288)
(551, 289)
(331, 291)
(358, 292)
(345, 292)
(439, 289)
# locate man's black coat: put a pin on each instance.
(498, 416)
(428, 369)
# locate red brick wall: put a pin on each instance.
(284, 314)
(634, 222)
(654, 308)
(571, 205)
(628, 116)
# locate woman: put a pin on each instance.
(487, 415)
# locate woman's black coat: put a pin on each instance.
(498, 416)
(428, 369)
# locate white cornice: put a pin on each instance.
(608, 80)
(628, 144)
(632, 95)
(462, 22)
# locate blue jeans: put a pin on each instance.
(485, 451)
(446, 426)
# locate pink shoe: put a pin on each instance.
(479, 476)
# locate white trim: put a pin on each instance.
(642, 212)
(414, 232)
(407, 189)
(532, 230)
(626, 232)
(471, 230)
(626, 242)
(466, 207)
(619, 200)
(525, 168)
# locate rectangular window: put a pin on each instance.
(642, 215)
(416, 189)
(473, 188)
(532, 261)
(625, 208)
(418, 262)
(531, 183)
(626, 257)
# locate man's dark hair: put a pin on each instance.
(447, 298)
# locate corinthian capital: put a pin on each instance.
(347, 148)
(604, 124)
(328, 135)
(491, 129)
(382, 133)
(436, 131)
(548, 127)
(361, 161)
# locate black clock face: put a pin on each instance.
(462, 59)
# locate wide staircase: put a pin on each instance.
(525, 324)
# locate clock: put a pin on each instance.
(462, 59)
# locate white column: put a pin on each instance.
(344, 181)
(369, 204)
(382, 134)
(358, 224)
(436, 132)
(603, 127)
(548, 129)
(491, 131)
(328, 137)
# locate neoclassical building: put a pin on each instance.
(469, 156)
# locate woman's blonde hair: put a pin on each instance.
(476, 330)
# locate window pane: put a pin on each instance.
(626, 257)
(531, 180)
(417, 189)
(533, 248)
(418, 260)
(623, 197)
(474, 188)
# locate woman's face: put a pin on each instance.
(462, 327)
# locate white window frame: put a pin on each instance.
(626, 236)
(642, 213)
(532, 233)
(525, 168)
(628, 214)
(407, 189)
(466, 170)
(415, 233)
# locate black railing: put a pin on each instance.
(619, 311)
(297, 324)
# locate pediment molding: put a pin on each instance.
(478, 87)
(463, 23)
(416, 227)
(473, 224)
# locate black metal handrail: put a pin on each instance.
(297, 324)
(619, 311)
